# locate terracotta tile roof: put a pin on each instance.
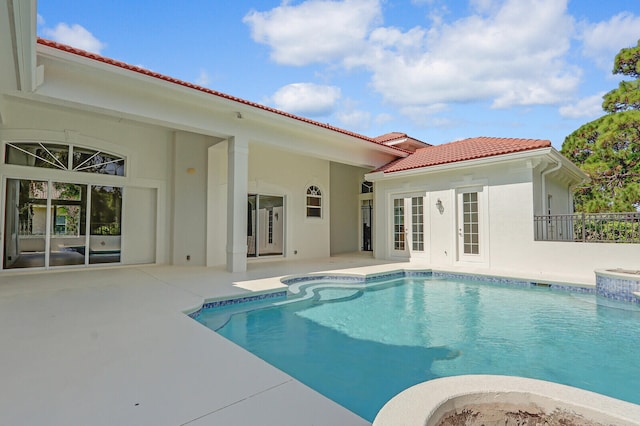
(140, 70)
(466, 149)
(390, 137)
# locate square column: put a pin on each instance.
(237, 191)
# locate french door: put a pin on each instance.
(49, 224)
(470, 225)
(408, 226)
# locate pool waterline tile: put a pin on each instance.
(381, 277)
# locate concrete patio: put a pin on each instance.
(112, 347)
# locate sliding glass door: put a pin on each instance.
(49, 224)
(104, 224)
(265, 225)
(67, 216)
(25, 227)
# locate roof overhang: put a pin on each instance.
(77, 81)
(547, 155)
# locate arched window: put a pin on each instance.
(64, 157)
(314, 201)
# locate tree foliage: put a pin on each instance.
(608, 148)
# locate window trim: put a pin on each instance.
(70, 150)
(313, 192)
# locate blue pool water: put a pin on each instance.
(360, 347)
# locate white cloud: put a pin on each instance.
(603, 40)
(426, 115)
(511, 52)
(76, 36)
(485, 6)
(307, 99)
(355, 119)
(40, 19)
(513, 56)
(203, 78)
(589, 107)
(383, 118)
(315, 30)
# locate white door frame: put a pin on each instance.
(403, 231)
(472, 234)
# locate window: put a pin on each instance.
(314, 201)
(50, 224)
(63, 157)
(366, 187)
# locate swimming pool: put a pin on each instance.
(361, 346)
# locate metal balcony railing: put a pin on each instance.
(589, 227)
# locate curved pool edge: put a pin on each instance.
(364, 278)
(221, 301)
(427, 402)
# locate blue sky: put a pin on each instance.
(437, 70)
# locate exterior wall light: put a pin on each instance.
(439, 206)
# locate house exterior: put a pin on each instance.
(108, 163)
(471, 201)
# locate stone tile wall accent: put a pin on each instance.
(618, 286)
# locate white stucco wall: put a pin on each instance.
(217, 204)
(511, 194)
(345, 209)
(561, 198)
(506, 212)
(148, 154)
(181, 179)
(189, 203)
(277, 172)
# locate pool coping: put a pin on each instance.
(281, 286)
(427, 402)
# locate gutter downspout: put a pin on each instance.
(543, 176)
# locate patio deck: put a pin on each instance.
(112, 346)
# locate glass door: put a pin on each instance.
(50, 224)
(67, 218)
(470, 237)
(25, 223)
(417, 224)
(366, 213)
(104, 229)
(265, 225)
(408, 226)
(400, 233)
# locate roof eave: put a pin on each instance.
(201, 93)
(513, 156)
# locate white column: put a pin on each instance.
(238, 169)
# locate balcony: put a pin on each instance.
(589, 227)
